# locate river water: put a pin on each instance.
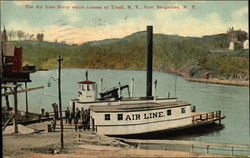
(233, 101)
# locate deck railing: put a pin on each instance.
(206, 117)
(190, 146)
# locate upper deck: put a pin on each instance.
(132, 107)
(135, 100)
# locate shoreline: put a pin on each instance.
(190, 79)
(219, 81)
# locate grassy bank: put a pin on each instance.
(190, 57)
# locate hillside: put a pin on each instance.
(188, 56)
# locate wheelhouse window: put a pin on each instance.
(88, 89)
(169, 112)
(120, 117)
(107, 117)
(183, 110)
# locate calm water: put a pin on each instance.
(232, 100)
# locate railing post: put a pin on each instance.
(79, 137)
(232, 150)
(207, 149)
(193, 119)
(206, 116)
(219, 117)
(192, 148)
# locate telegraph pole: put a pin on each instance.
(60, 59)
(1, 71)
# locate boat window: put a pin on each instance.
(168, 112)
(183, 110)
(88, 89)
(107, 117)
(83, 88)
(120, 116)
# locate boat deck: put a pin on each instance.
(138, 106)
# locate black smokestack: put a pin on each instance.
(149, 60)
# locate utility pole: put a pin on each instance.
(60, 59)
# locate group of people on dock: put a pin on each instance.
(80, 118)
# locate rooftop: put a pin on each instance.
(86, 82)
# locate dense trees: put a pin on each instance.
(171, 53)
(21, 35)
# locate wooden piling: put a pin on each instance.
(26, 101)
(15, 126)
(7, 99)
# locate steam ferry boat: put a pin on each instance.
(114, 115)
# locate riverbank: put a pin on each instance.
(44, 145)
(186, 77)
(219, 81)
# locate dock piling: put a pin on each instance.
(15, 111)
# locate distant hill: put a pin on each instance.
(188, 56)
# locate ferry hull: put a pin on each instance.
(197, 129)
(195, 120)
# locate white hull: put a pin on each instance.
(143, 128)
(143, 120)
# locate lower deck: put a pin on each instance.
(196, 119)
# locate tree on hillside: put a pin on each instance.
(20, 34)
(31, 37)
(26, 36)
(10, 34)
(236, 35)
(40, 36)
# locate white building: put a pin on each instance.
(231, 45)
(246, 44)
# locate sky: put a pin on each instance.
(61, 21)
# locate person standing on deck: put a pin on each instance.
(78, 114)
(88, 119)
(82, 118)
(67, 115)
(85, 120)
(54, 124)
(72, 117)
(77, 117)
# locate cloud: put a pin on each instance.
(20, 2)
(72, 14)
(185, 24)
(240, 19)
(181, 22)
